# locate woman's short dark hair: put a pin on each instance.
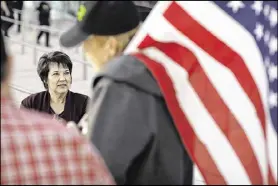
(52, 57)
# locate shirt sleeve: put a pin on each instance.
(85, 105)
(118, 125)
(93, 165)
(26, 103)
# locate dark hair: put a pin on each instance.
(52, 57)
(3, 59)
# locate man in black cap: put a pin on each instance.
(129, 121)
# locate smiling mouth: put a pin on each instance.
(62, 85)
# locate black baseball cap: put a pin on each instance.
(101, 18)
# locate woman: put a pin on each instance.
(55, 71)
(129, 121)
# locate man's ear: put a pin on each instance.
(111, 46)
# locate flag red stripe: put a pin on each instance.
(271, 180)
(213, 103)
(218, 50)
(195, 147)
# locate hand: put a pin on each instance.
(73, 125)
(56, 117)
(82, 126)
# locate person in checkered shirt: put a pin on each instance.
(35, 149)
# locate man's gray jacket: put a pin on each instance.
(133, 129)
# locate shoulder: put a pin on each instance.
(132, 72)
(32, 122)
(33, 98)
(123, 68)
(79, 97)
(41, 134)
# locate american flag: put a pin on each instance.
(216, 65)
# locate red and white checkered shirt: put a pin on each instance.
(35, 149)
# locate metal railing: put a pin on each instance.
(33, 10)
(25, 25)
(33, 26)
(20, 89)
(41, 49)
(38, 48)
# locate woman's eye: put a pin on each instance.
(55, 74)
(67, 73)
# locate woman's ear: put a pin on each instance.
(45, 84)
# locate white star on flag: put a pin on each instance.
(257, 6)
(267, 62)
(273, 17)
(259, 31)
(235, 5)
(272, 99)
(266, 36)
(266, 10)
(272, 45)
(272, 72)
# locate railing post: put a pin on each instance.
(23, 29)
(60, 47)
(84, 72)
(84, 67)
(35, 56)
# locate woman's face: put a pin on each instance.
(59, 78)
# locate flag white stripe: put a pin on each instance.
(242, 42)
(224, 81)
(139, 36)
(202, 122)
(272, 147)
(198, 178)
(239, 104)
